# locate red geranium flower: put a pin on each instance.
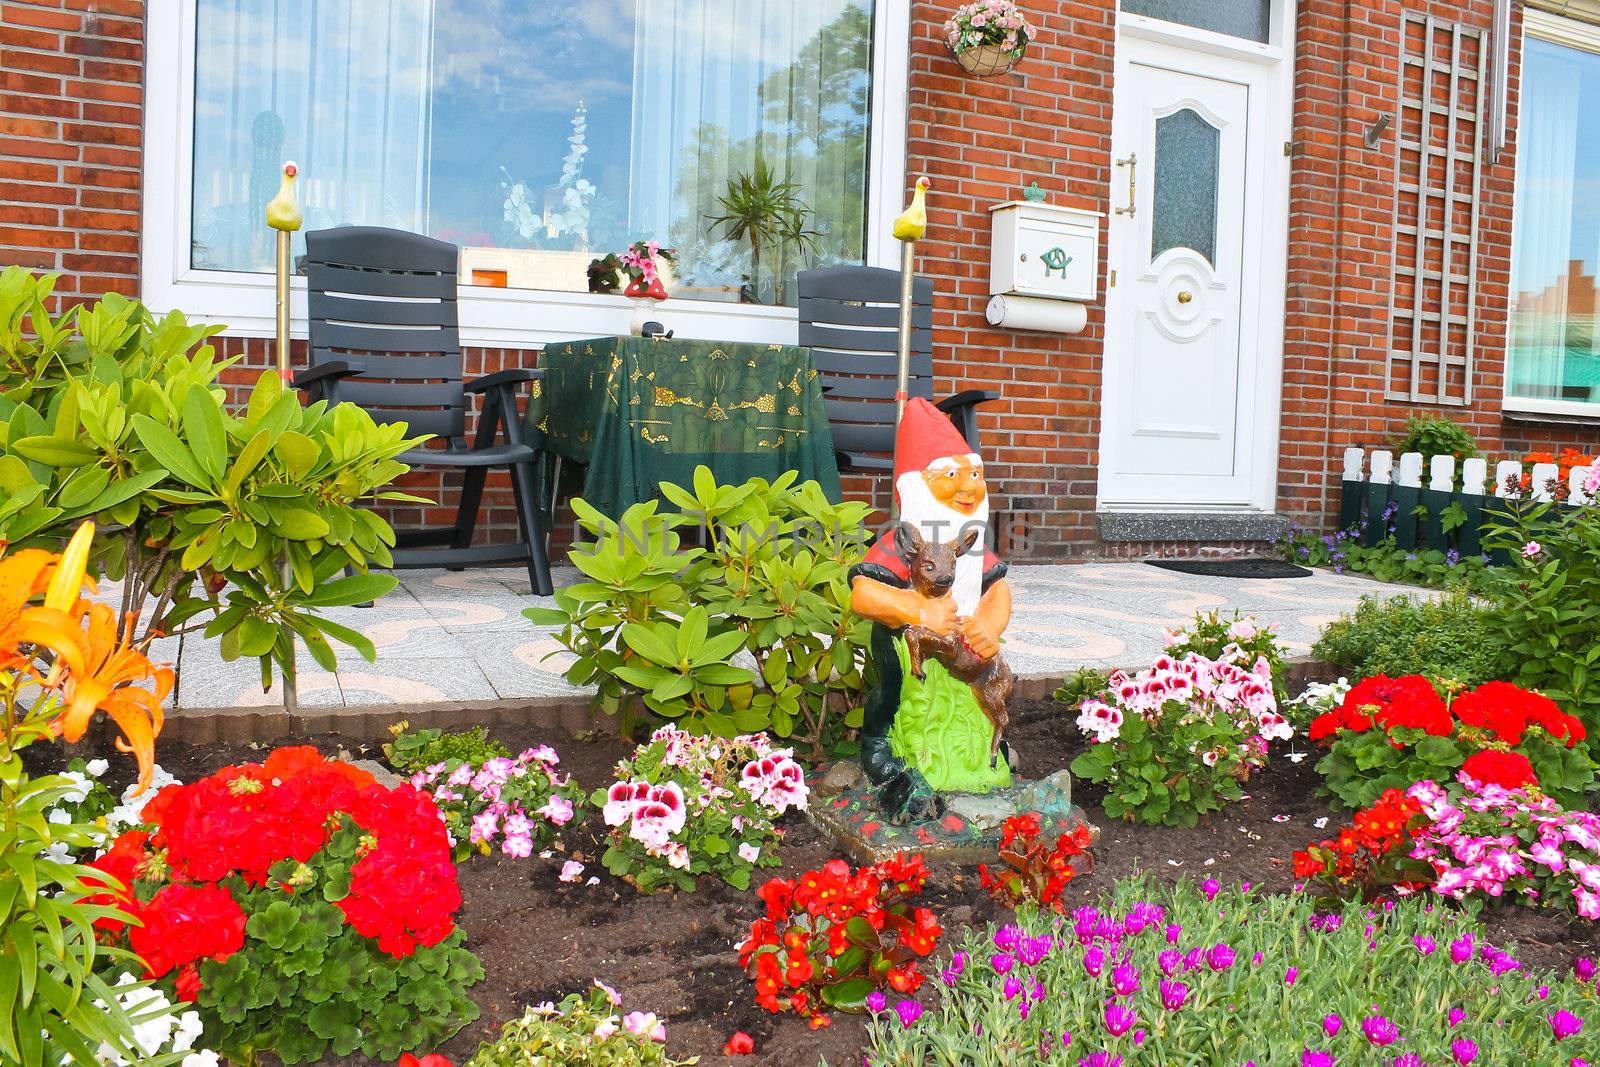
(1510, 770)
(739, 1044)
(185, 923)
(1410, 702)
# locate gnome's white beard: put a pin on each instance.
(937, 522)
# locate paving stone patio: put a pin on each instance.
(447, 637)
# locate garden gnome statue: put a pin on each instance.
(931, 725)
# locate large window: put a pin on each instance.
(539, 135)
(1553, 359)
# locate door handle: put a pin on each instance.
(1132, 162)
(1184, 296)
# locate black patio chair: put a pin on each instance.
(384, 337)
(849, 318)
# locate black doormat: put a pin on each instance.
(1232, 568)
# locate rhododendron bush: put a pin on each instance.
(1391, 732)
(514, 806)
(833, 938)
(1177, 740)
(1509, 844)
(302, 907)
(684, 806)
(1205, 975)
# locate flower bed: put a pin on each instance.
(302, 907)
(1392, 732)
(1211, 976)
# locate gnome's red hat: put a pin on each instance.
(925, 434)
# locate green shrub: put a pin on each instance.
(1549, 603)
(1247, 979)
(662, 623)
(1451, 637)
(584, 1030)
(1385, 561)
(410, 752)
(110, 414)
(1437, 435)
(1081, 685)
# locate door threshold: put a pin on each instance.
(1190, 525)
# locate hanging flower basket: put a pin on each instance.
(986, 60)
(988, 37)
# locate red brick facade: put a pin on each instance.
(71, 91)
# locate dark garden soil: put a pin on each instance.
(674, 954)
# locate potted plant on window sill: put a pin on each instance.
(988, 37)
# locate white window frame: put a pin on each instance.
(490, 317)
(1585, 37)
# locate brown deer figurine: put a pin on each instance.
(933, 570)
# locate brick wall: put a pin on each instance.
(70, 154)
(71, 90)
(1337, 334)
(981, 141)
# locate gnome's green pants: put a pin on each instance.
(930, 729)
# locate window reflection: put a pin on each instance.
(1553, 353)
(538, 136)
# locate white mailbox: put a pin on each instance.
(1044, 250)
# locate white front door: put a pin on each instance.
(1194, 314)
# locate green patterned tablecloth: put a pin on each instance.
(638, 412)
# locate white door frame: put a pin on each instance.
(1270, 276)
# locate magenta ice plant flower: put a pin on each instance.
(1379, 1030)
(876, 1001)
(1463, 1050)
(1119, 1019)
(1332, 1024)
(1564, 1024)
(1317, 1058)
(1220, 957)
(1173, 994)
(909, 1012)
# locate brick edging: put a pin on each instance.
(569, 714)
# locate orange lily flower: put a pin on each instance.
(95, 669)
(106, 680)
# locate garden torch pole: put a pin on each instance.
(909, 227)
(284, 216)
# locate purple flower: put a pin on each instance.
(1191, 959)
(1173, 931)
(1464, 1050)
(1031, 950)
(909, 1011)
(1332, 1024)
(1379, 1030)
(1169, 961)
(1456, 1015)
(1461, 949)
(1101, 1059)
(1119, 1019)
(1094, 960)
(1219, 957)
(1563, 1024)
(876, 1001)
(1005, 938)
(1290, 975)
(1012, 987)
(1211, 887)
(1425, 945)
(1308, 1058)
(1501, 962)
(1001, 962)
(1125, 980)
(1585, 968)
(1173, 994)
(1409, 1059)
(1543, 992)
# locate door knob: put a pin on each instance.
(1184, 296)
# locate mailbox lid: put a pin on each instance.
(1044, 250)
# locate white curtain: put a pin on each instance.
(339, 86)
(717, 81)
(1547, 143)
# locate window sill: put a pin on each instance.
(490, 317)
(1569, 412)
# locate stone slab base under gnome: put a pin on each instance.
(968, 832)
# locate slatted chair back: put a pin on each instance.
(386, 299)
(850, 318)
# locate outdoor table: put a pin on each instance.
(639, 411)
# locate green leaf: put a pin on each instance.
(202, 425)
(849, 995)
(645, 641)
(297, 452)
(55, 451)
(170, 452)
